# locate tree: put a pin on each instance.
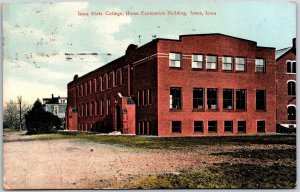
(38, 120)
(11, 114)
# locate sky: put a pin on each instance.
(46, 44)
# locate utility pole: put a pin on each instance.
(20, 105)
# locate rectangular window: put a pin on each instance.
(211, 62)
(175, 98)
(176, 126)
(140, 98)
(212, 126)
(82, 90)
(115, 78)
(103, 86)
(82, 110)
(118, 77)
(110, 80)
(96, 85)
(227, 63)
(260, 126)
(228, 126)
(102, 106)
(291, 66)
(149, 97)
(240, 64)
(212, 98)
(85, 88)
(92, 86)
(242, 126)
(260, 100)
(228, 99)
(198, 98)
(108, 106)
(55, 110)
(88, 87)
(88, 109)
(145, 97)
(197, 62)
(93, 109)
(97, 107)
(241, 99)
(291, 88)
(198, 126)
(175, 59)
(260, 65)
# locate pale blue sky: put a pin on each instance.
(37, 36)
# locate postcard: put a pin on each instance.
(149, 95)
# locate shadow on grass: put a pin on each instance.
(224, 176)
(271, 154)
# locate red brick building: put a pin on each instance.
(286, 86)
(208, 84)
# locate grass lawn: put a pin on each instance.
(273, 168)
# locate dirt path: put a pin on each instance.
(67, 164)
(73, 164)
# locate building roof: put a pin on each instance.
(53, 100)
(280, 52)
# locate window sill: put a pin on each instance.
(175, 68)
(175, 110)
(197, 69)
(291, 73)
(198, 110)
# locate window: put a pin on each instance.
(88, 87)
(198, 126)
(85, 88)
(55, 110)
(115, 78)
(260, 126)
(93, 109)
(102, 106)
(211, 62)
(212, 126)
(198, 98)
(103, 86)
(81, 89)
(140, 98)
(291, 88)
(176, 126)
(291, 112)
(92, 86)
(228, 126)
(96, 85)
(242, 126)
(228, 99)
(149, 97)
(260, 65)
(88, 109)
(108, 107)
(197, 62)
(118, 77)
(241, 101)
(175, 98)
(212, 98)
(175, 59)
(145, 97)
(291, 66)
(97, 107)
(260, 100)
(227, 63)
(110, 80)
(82, 111)
(240, 64)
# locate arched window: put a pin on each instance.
(291, 66)
(291, 87)
(291, 112)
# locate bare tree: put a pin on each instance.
(11, 112)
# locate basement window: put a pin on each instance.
(260, 126)
(175, 98)
(175, 59)
(212, 126)
(198, 126)
(176, 126)
(228, 126)
(242, 126)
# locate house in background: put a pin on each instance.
(286, 86)
(205, 84)
(57, 106)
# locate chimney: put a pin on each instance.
(52, 96)
(294, 42)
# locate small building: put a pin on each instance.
(286, 86)
(205, 84)
(57, 106)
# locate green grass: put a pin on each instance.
(172, 143)
(222, 176)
